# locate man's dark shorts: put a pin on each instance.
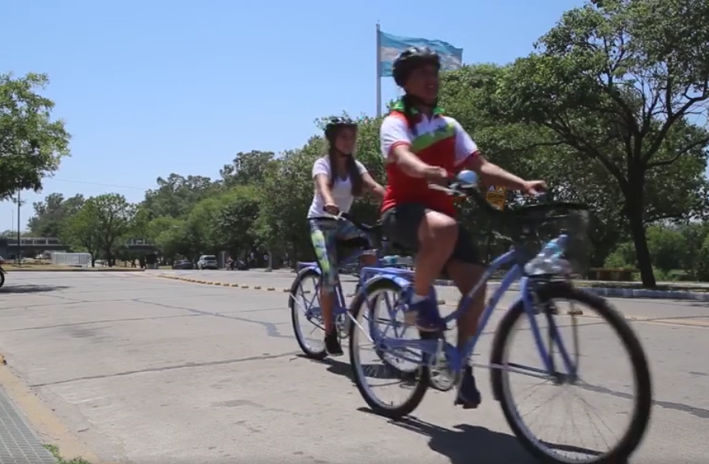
(401, 225)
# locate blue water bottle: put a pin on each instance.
(544, 262)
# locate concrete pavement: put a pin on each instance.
(133, 368)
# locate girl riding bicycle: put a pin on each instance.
(338, 179)
(422, 146)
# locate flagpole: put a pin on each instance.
(379, 74)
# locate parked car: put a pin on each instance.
(207, 262)
(183, 264)
(237, 264)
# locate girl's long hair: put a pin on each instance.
(352, 169)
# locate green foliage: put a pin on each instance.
(100, 224)
(52, 212)
(668, 248)
(703, 262)
(81, 230)
(31, 143)
(616, 84)
(237, 219)
(177, 195)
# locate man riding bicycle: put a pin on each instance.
(422, 146)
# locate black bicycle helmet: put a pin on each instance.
(335, 123)
(410, 59)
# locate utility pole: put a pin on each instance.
(19, 240)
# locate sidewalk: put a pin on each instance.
(18, 443)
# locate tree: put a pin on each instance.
(115, 218)
(50, 213)
(177, 195)
(694, 235)
(169, 236)
(236, 219)
(703, 262)
(247, 168)
(31, 143)
(668, 247)
(82, 230)
(201, 227)
(617, 83)
(531, 152)
(288, 186)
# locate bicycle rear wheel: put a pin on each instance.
(414, 382)
(500, 377)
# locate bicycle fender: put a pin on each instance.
(305, 269)
(397, 279)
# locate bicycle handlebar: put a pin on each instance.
(465, 185)
(366, 228)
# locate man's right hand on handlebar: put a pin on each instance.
(436, 175)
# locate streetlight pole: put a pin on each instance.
(19, 240)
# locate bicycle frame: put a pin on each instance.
(341, 304)
(458, 358)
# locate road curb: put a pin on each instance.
(609, 292)
(618, 292)
(75, 270)
(235, 285)
(647, 294)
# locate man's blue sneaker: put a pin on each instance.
(425, 316)
(468, 395)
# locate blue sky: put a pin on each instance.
(153, 87)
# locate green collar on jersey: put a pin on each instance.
(399, 106)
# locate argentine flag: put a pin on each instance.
(391, 45)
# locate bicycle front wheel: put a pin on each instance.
(635, 423)
(401, 368)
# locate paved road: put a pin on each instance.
(144, 369)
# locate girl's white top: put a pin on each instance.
(341, 189)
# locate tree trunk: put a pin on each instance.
(637, 228)
(634, 210)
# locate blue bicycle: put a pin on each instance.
(544, 278)
(353, 250)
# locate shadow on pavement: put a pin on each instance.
(333, 366)
(31, 288)
(377, 371)
(464, 443)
